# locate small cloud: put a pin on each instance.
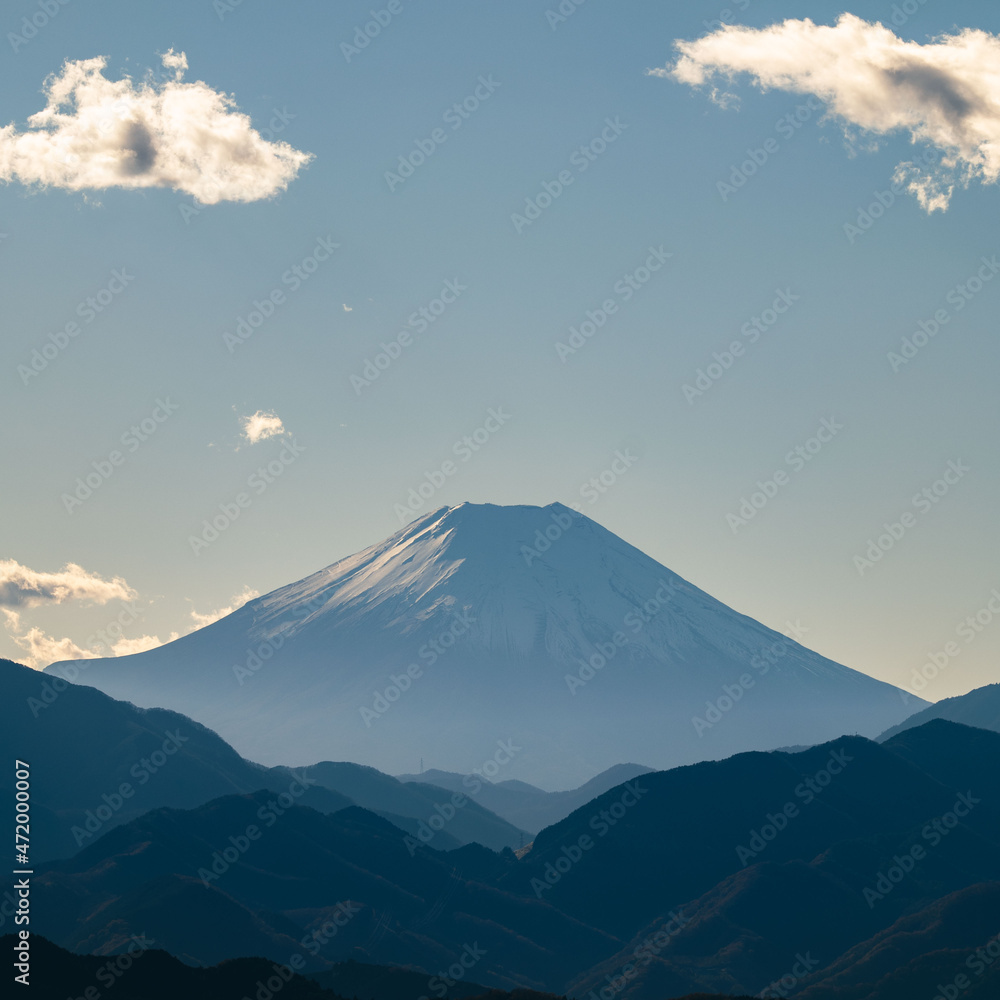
(24, 587)
(944, 94)
(237, 602)
(96, 133)
(261, 426)
(347, 308)
(175, 61)
(124, 647)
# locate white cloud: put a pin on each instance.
(21, 587)
(24, 587)
(139, 644)
(42, 649)
(237, 602)
(261, 426)
(347, 308)
(95, 133)
(945, 93)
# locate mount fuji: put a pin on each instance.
(531, 629)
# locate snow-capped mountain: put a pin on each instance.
(531, 629)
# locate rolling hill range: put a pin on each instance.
(721, 878)
(980, 708)
(480, 624)
(525, 805)
(105, 762)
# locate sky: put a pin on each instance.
(270, 265)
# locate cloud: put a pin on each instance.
(21, 587)
(945, 93)
(139, 644)
(96, 133)
(261, 426)
(237, 602)
(24, 587)
(42, 649)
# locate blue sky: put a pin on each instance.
(350, 454)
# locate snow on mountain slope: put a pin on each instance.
(479, 624)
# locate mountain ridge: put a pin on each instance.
(480, 623)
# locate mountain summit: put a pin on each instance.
(529, 628)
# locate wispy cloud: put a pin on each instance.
(945, 93)
(24, 587)
(95, 133)
(41, 649)
(261, 426)
(237, 602)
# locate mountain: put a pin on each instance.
(436, 816)
(239, 876)
(465, 635)
(854, 802)
(525, 805)
(142, 971)
(98, 762)
(721, 878)
(952, 943)
(980, 707)
(101, 762)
